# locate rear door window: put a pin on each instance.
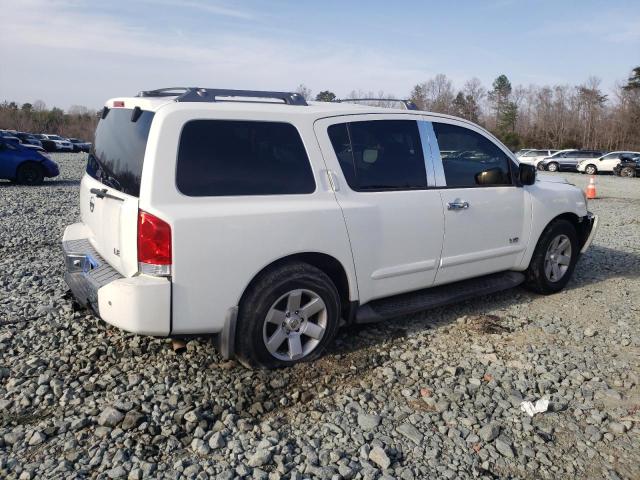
(118, 151)
(230, 158)
(470, 159)
(380, 155)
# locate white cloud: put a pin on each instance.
(112, 53)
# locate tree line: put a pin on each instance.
(548, 116)
(77, 122)
(558, 116)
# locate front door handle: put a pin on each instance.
(457, 205)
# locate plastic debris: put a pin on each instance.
(531, 408)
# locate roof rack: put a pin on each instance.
(408, 104)
(196, 94)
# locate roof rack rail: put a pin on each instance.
(195, 94)
(408, 104)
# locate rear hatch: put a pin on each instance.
(110, 189)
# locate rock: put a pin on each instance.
(110, 417)
(37, 438)
(116, 472)
(259, 458)
(131, 420)
(489, 432)
(590, 332)
(411, 432)
(368, 422)
(199, 446)
(617, 428)
(504, 446)
(378, 456)
(216, 441)
(191, 416)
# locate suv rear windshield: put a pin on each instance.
(118, 152)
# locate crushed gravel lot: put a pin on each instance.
(433, 395)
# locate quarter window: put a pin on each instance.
(380, 154)
(225, 157)
(470, 159)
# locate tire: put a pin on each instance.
(590, 170)
(268, 299)
(627, 172)
(538, 278)
(553, 167)
(541, 167)
(30, 173)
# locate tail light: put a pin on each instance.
(154, 245)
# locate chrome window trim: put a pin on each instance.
(432, 158)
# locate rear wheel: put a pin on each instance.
(591, 169)
(289, 315)
(552, 167)
(30, 173)
(554, 258)
(627, 172)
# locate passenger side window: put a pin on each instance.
(228, 157)
(470, 159)
(380, 154)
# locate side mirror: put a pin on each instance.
(527, 174)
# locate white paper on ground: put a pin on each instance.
(539, 407)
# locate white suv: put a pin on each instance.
(605, 163)
(223, 212)
(532, 157)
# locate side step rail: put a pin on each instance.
(413, 302)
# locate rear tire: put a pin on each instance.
(591, 170)
(289, 315)
(627, 172)
(553, 167)
(30, 173)
(554, 258)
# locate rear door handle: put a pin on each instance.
(457, 205)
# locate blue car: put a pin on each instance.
(25, 165)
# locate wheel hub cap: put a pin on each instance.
(295, 325)
(558, 258)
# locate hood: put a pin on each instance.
(552, 179)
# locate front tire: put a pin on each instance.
(554, 258)
(553, 167)
(30, 173)
(591, 170)
(289, 315)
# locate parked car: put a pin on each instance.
(629, 166)
(25, 165)
(29, 139)
(533, 156)
(522, 151)
(567, 160)
(59, 143)
(267, 223)
(79, 145)
(606, 163)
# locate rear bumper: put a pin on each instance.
(140, 304)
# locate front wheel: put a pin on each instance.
(627, 172)
(554, 258)
(289, 315)
(591, 170)
(552, 167)
(30, 173)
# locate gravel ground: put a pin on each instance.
(434, 395)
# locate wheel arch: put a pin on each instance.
(347, 288)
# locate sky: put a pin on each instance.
(82, 52)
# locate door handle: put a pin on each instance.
(457, 205)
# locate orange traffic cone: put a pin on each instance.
(591, 188)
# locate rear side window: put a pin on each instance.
(118, 152)
(470, 159)
(228, 157)
(380, 154)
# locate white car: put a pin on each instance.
(605, 163)
(533, 156)
(62, 144)
(267, 224)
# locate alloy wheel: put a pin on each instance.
(558, 258)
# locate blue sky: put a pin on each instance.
(69, 52)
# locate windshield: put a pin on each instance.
(118, 152)
(54, 137)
